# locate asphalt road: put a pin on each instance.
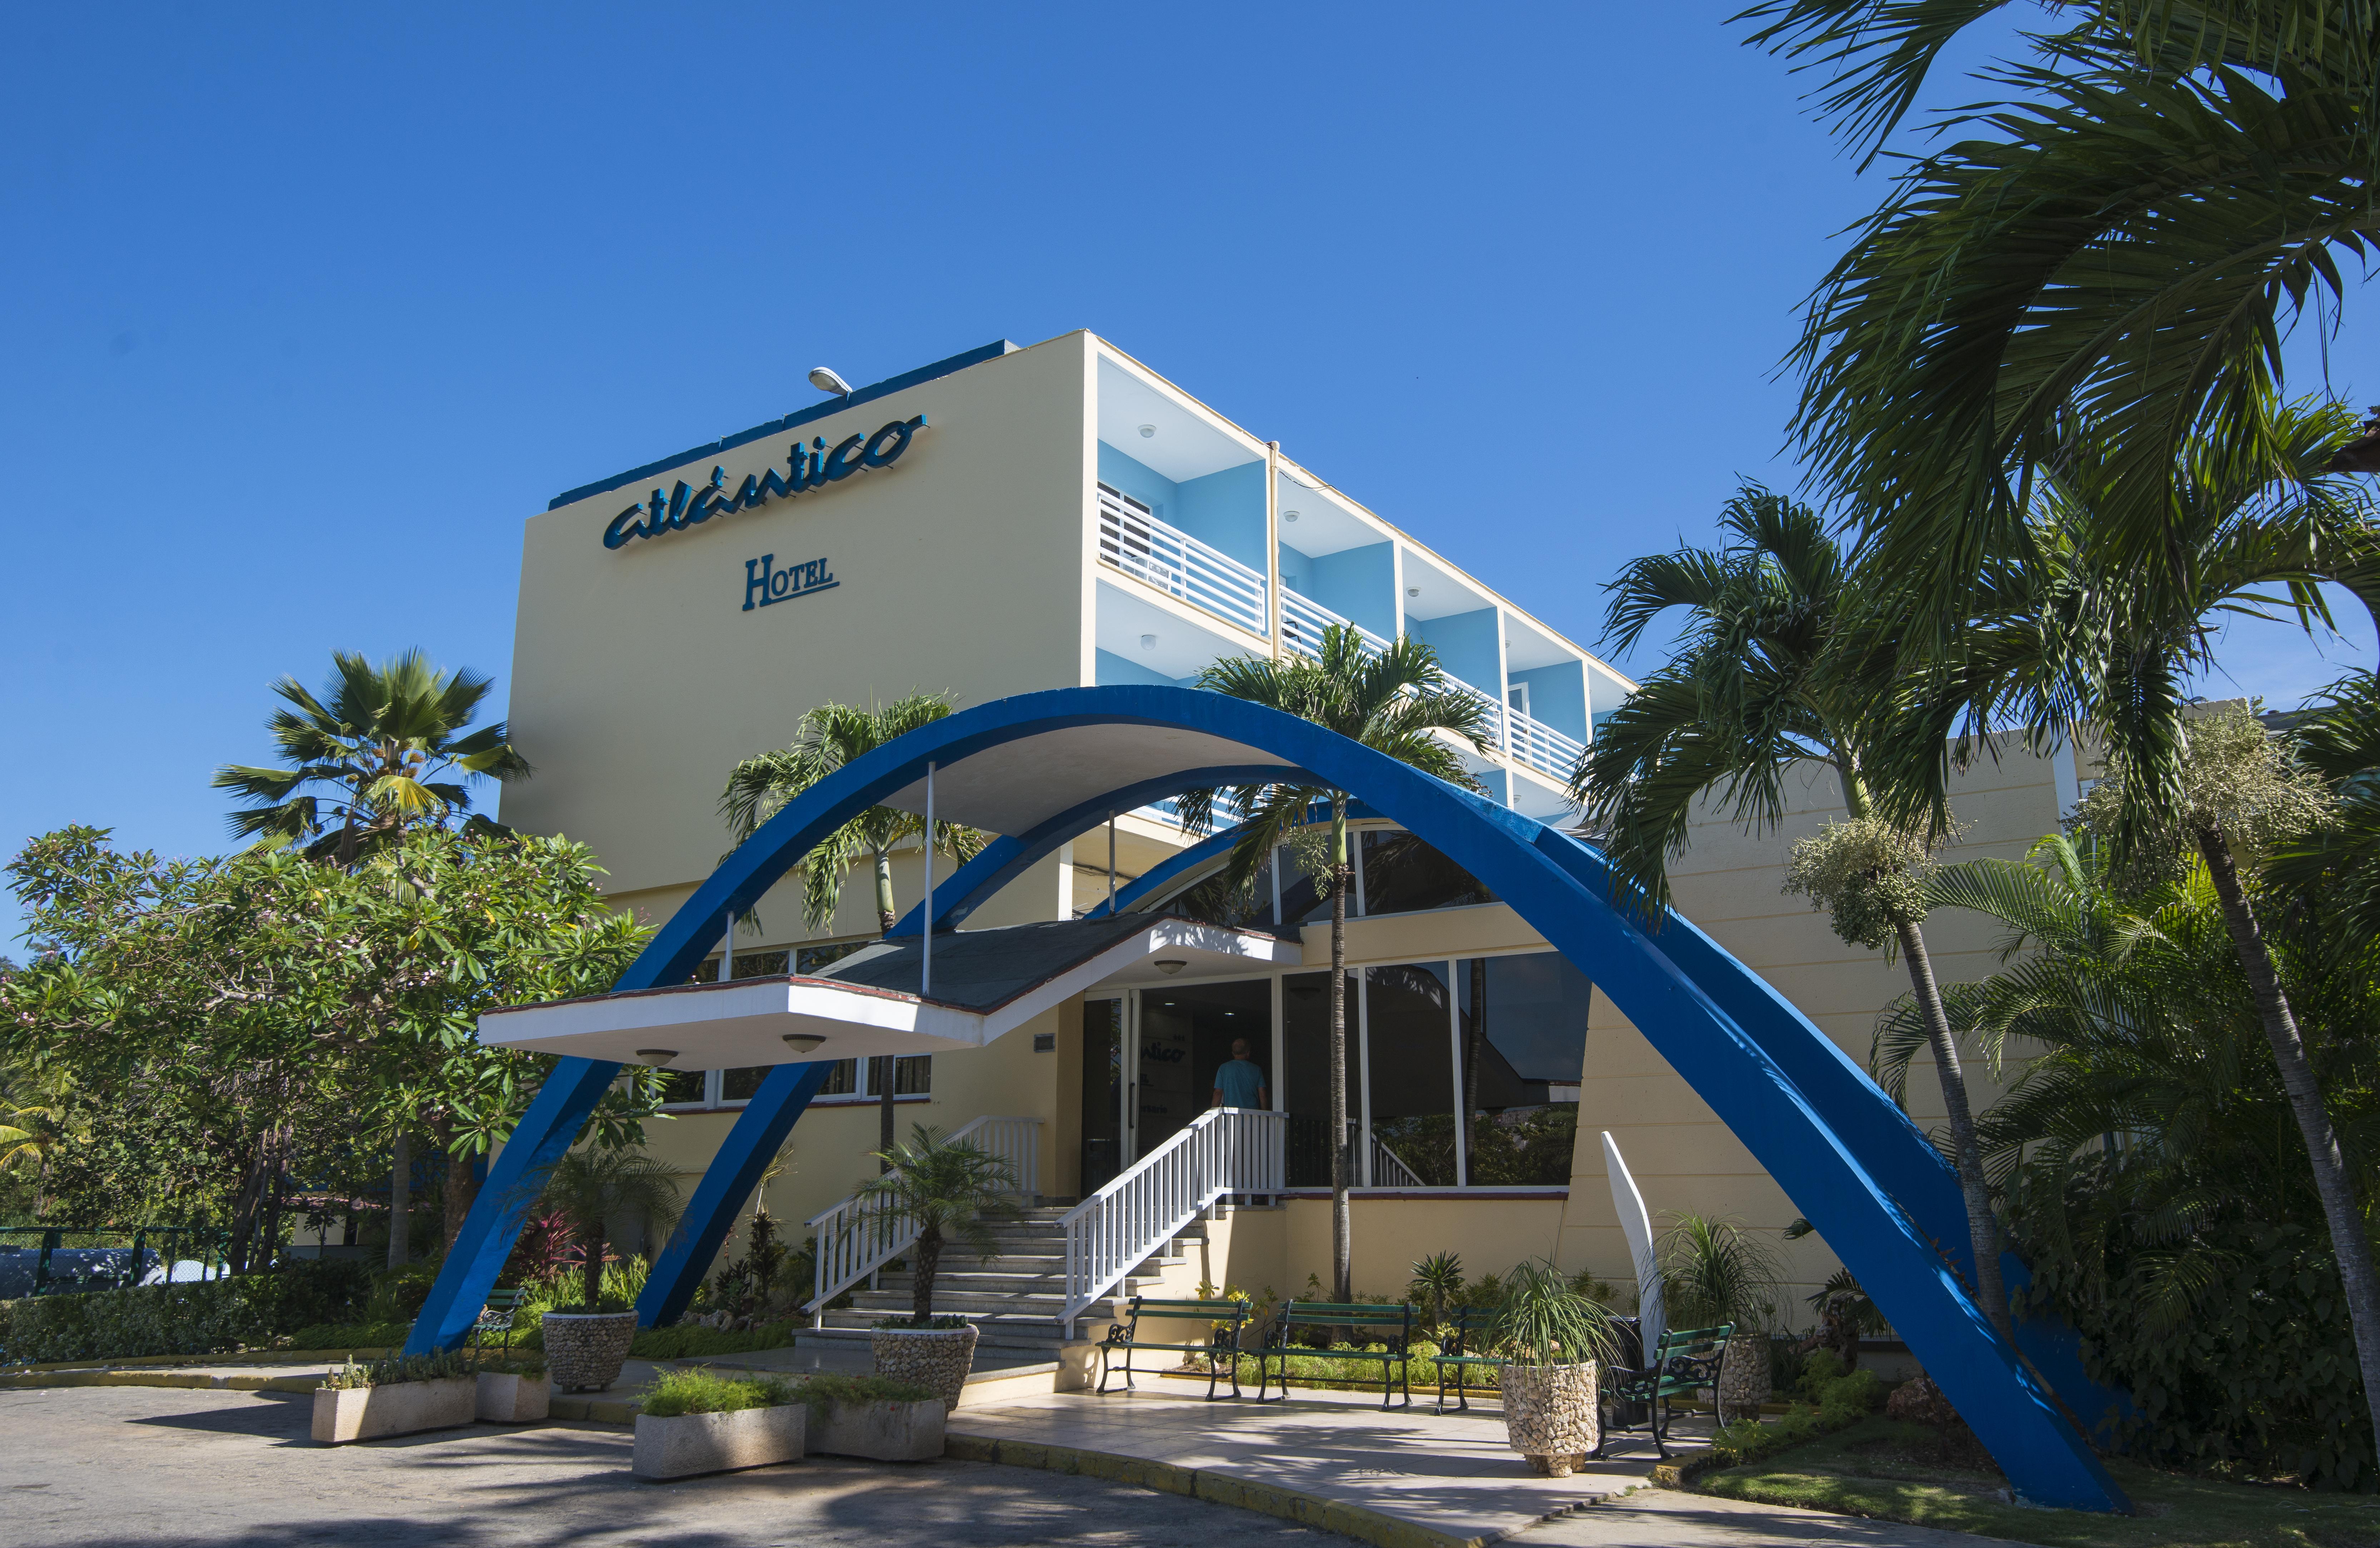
(127, 1466)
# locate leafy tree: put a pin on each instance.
(37, 1123)
(593, 1189)
(265, 1009)
(2338, 862)
(1397, 701)
(2130, 231)
(2149, 1159)
(1773, 673)
(946, 1187)
(829, 737)
(381, 750)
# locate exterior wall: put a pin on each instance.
(1731, 884)
(639, 680)
(1491, 1231)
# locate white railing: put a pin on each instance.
(1303, 620)
(1389, 1170)
(1135, 542)
(1222, 1151)
(862, 1234)
(1536, 743)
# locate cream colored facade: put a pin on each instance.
(985, 563)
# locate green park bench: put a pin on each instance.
(499, 1312)
(1392, 1326)
(1467, 1332)
(1684, 1360)
(1226, 1317)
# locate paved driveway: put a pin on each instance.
(117, 1466)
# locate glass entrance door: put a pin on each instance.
(1105, 1083)
(1187, 1033)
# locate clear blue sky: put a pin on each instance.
(308, 308)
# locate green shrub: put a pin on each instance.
(350, 1336)
(398, 1369)
(1821, 1366)
(704, 1392)
(820, 1391)
(1842, 1400)
(216, 1316)
(690, 1342)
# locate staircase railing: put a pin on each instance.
(862, 1234)
(1222, 1151)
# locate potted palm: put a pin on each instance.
(585, 1346)
(1557, 1338)
(1712, 1272)
(944, 1188)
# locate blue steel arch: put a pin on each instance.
(1850, 1160)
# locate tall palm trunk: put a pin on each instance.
(2348, 1241)
(927, 1262)
(881, 1068)
(400, 1201)
(1343, 1262)
(1967, 1153)
(1983, 1226)
(462, 1188)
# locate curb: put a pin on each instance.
(251, 1357)
(196, 1380)
(1269, 1499)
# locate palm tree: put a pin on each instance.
(1396, 700)
(2069, 632)
(2172, 187)
(381, 750)
(945, 1187)
(1775, 673)
(36, 1125)
(2339, 864)
(592, 1188)
(827, 738)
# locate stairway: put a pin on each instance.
(1013, 1296)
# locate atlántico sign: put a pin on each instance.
(808, 467)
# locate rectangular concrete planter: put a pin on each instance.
(884, 1432)
(511, 1399)
(365, 1413)
(691, 1443)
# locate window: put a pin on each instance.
(1522, 1028)
(1410, 1060)
(853, 1080)
(809, 959)
(1402, 874)
(1304, 1092)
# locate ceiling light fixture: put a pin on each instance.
(825, 380)
(803, 1041)
(1148, 642)
(1289, 516)
(1148, 430)
(1413, 591)
(1171, 965)
(655, 1057)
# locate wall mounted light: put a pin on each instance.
(825, 380)
(657, 1058)
(803, 1041)
(1148, 430)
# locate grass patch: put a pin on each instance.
(1907, 1472)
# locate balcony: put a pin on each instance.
(1136, 542)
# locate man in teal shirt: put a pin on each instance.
(1239, 1084)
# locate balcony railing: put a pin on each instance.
(1135, 542)
(1540, 746)
(1304, 619)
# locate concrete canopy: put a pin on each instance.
(1854, 1164)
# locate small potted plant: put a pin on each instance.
(394, 1397)
(1713, 1272)
(697, 1421)
(944, 1187)
(873, 1417)
(1556, 1338)
(589, 1188)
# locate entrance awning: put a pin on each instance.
(985, 983)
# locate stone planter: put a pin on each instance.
(513, 1399)
(584, 1353)
(882, 1432)
(691, 1443)
(937, 1359)
(1744, 1378)
(1551, 1415)
(363, 1413)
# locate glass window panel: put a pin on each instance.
(684, 1088)
(707, 973)
(1412, 1070)
(740, 1085)
(1402, 874)
(809, 959)
(1103, 1092)
(1524, 1033)
(1304, 1090)
(1210, 901)
(1301, 902)
(913, 1075)
(760, 964)
(843, 1080)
